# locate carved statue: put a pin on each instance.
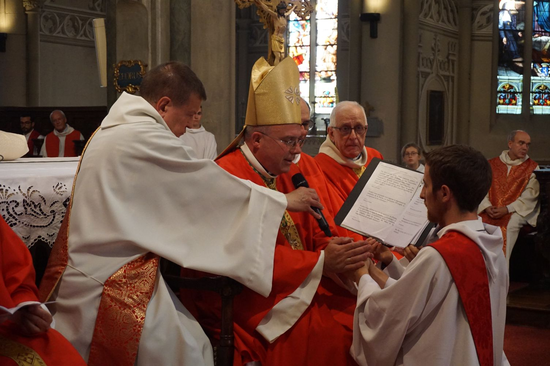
(273, 14)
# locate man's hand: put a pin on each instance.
(381, 252)
(32, 319)
(495, 212)
(377, 275)
(302, 199)
(343, 255)
(410, 252)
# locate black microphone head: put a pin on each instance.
(299, 181)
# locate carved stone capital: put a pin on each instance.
(32, 5)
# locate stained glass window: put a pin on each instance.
(540, 66)
(511, 26)
(513, 21)
(317, 65)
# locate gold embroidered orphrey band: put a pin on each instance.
(20, 354)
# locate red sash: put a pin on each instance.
(506, 188)
(467, 266)
(52, 144)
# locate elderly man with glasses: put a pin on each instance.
(344, 156)
(296, 324)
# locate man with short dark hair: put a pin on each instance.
(448, 307)
(141, 195)
(344, 156)
(59, 142)
(27, 127)
(512, 201)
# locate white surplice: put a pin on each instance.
(140, 191)
(419, 319)
(203, 142)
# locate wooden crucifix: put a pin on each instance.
(274, 15)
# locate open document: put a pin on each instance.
(386, 205)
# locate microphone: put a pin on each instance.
(299, 181)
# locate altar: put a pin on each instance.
(34, 195)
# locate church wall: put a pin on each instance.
(213, 60)
(13, 61)
(381, 71)
(69, 76)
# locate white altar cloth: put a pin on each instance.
(34, 194)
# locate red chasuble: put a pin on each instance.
(52, 144)
(318, 337)
(30, 142)
(506, 188)
(467, 267)
(343, 178)
(16, 286)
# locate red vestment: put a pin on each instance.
(506, 188)
(343, 178)
(52, 144)
(320, 335)
(17, 285)
(467, 266)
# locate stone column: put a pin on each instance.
(464, 60)
(213, 60)
(32, 9)
(180, 31)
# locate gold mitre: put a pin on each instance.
(273, 97)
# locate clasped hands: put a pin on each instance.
(495, 212)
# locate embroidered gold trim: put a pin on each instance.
(359, 171)
(121, 313)
(19, 353)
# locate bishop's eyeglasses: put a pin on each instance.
(290, 143)
(346, 130)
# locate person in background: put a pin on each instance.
(26, 122)
(412, 154)
(59, 142)
(513, 200)
(203, 142)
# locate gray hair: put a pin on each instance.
(512, 135)
(57, 110)
(343, 105)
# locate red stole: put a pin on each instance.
(506, 188)
(52, 144)
(467, 266)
